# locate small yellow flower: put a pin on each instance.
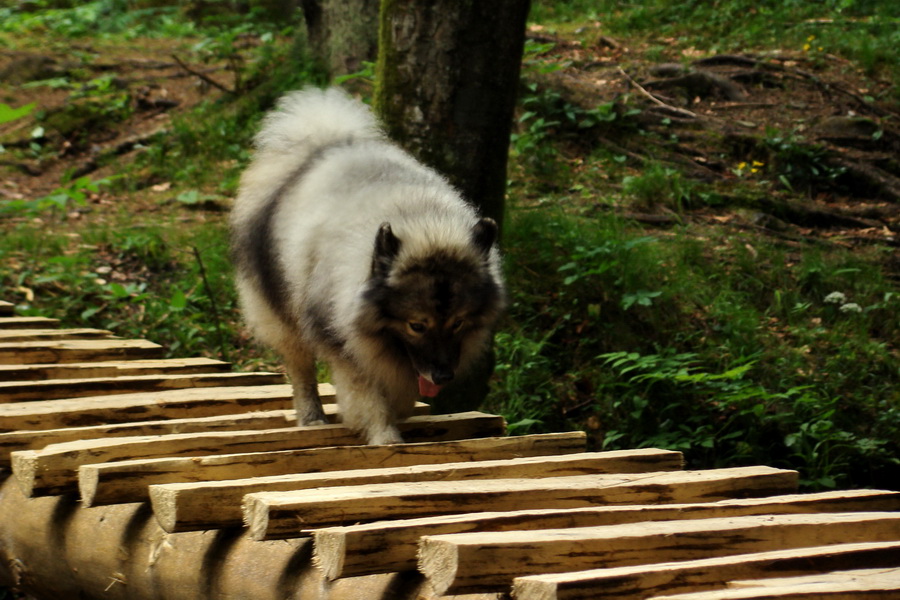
(806, 47)
(810, 38)
(756, 163)
(742, 166)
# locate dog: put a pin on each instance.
(348, 250)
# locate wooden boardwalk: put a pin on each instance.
(129, 475)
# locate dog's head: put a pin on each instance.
(436, 305)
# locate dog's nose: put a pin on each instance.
(441, 376)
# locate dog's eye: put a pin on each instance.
(416, 327)
(457, 324)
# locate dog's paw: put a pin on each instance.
(312, 416)
(385, 437)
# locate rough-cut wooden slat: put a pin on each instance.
(127, 481)
(868, 584)
(6, 308)
(172, 366)
(276, 514)
(54, 469)
(18, 391)
(14, 441)
(643, 581)
(217, 504)
(40, 335)
(145, 406)
(27, 323)
(468, 562)
(388, 546)
(70, 351)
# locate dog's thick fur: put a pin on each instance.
(348, 250)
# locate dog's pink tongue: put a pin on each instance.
(427, 388)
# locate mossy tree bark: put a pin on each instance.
(342, 33)
(447, 77)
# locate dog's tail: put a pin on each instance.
(311, 118)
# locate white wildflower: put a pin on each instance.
(836, 298)
(851, 307)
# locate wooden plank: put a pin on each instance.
(39, 335)
(54, 470)
(70, 351)
(6, 308)
(389, 546)
(469, 562)
(643, 581)
(27, 323)
(56, 389)
(271, 515)
(127, 481)
(14, 441)
(870, 584)
(145, 406)
(171, 366)
(217, 504)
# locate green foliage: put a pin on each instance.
(733, 356)
(797, 165)
(8, 113)
(69, 194)
(139, 281)
(862, 30)
(659, 185)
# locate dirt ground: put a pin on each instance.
(149, 79)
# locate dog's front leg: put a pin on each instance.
(301, 368)
(363, 408)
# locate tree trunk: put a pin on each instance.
(446, 82)
(342, 33)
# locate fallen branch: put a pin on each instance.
(201, 76)
(678, 111)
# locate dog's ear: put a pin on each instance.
(387, 245)
(484, 234)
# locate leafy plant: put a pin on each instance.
(8, 113)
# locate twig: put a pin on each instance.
(655, 100)
(213, 304)
(205, 78)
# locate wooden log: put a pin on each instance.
(217, 504)
(54, 469)
(71, 351)
(18, 391)
(871, 584)
(645, 581)
(55, 549)
(39, 335)
(468, 562)
(127, 481)
(6, 308)
(270, 515)
(27, 323)
(146, 406)
(42, 372)
(388, 546)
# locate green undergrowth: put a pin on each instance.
(728, 349)
(864, 31)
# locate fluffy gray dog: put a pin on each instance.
(349, 250)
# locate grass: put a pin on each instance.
(729, 347)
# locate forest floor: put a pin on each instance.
(806, 117)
